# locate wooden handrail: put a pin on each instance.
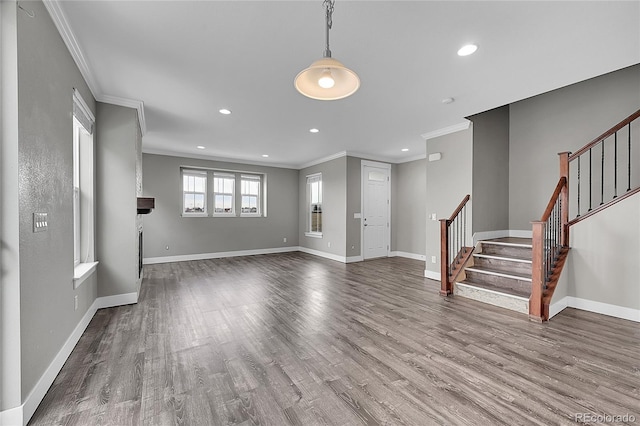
(605, 135)
(460, 207)
(561, 183)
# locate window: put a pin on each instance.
(231, 193)
(194, 192)
(223, 193)
(314, 203)
(83, 191)
(250, 193)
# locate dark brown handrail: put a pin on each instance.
(453, 252)
(552, 202)
(605, 135)
(460, 207)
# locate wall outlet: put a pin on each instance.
(75, 302)
(284, 240)
(434, 216)
(329, 244)
(433, 259)
(353, 247)
(166, 247)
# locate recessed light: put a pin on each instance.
(314, 130)
(200, 147)
(265, 155)
(467, 50)
(404, 149)
(448, 100)
(225, 111)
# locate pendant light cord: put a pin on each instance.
(328, 4)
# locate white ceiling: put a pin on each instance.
(186, 60)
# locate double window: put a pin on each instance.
(314, 205)
(232, 192)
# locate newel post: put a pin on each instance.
(445, 284)
(537, 278)
(564, 199)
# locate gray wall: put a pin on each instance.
(409, 207)
(491, 170)
(563, 120)
(117, 139)
(47, 76)
(604, 261)
(448, 181)
(334, 207)
(354, 198)
(195, 235)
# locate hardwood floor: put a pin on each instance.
(296, 339)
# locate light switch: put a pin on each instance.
(434, 216)
(40, 222)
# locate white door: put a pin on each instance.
(375, 211)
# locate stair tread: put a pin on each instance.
(510, 242)
(516, 275)
(502, 257)
(497, 289)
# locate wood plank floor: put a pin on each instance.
(293, 339)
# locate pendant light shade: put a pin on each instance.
(327, 79)
(311, 81)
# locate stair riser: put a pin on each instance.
(503, 265)
(507, 251)
(499, 281)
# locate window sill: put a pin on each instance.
(194, 215)
(223, 215)
(250, 215)
(313, 234)
(82, 271)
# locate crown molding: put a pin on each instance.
(213, 158)
(412, 158)
(129, 103)
(446, 130)
(323, 160)
(62, 24)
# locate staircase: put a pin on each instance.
(499, 273)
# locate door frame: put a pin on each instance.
(377, 164)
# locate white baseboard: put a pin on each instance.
(604, 308)
(116, 300)
(520, 233)
(20, 416)
(324, 254)
(12, 417)
(432, 275)
(352, 259)
(218, 255)
(408, 255)
(559, 306)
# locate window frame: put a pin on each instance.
(185, 172)
(251, 177)
(224, 175)
(313, 179)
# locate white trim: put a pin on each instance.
(129, 103)
(446, 130)
(520, 234)
(324, 254)
(604, 308)
(371, 157)
(62, 24)
(363, 164)
(313, 234)
(198, 156)
(432, 275)
(12, 416)
(412, 158)
(322, 160)
(558, 306)
(218, 255)
(353, 259)
(408, 255)
(82, 271)
(79, 100)
(116, 300)
(21, 415)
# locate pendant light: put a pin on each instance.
(327, 79)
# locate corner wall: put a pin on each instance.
(409, 208)
(448, 181)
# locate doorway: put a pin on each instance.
(375, 209)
